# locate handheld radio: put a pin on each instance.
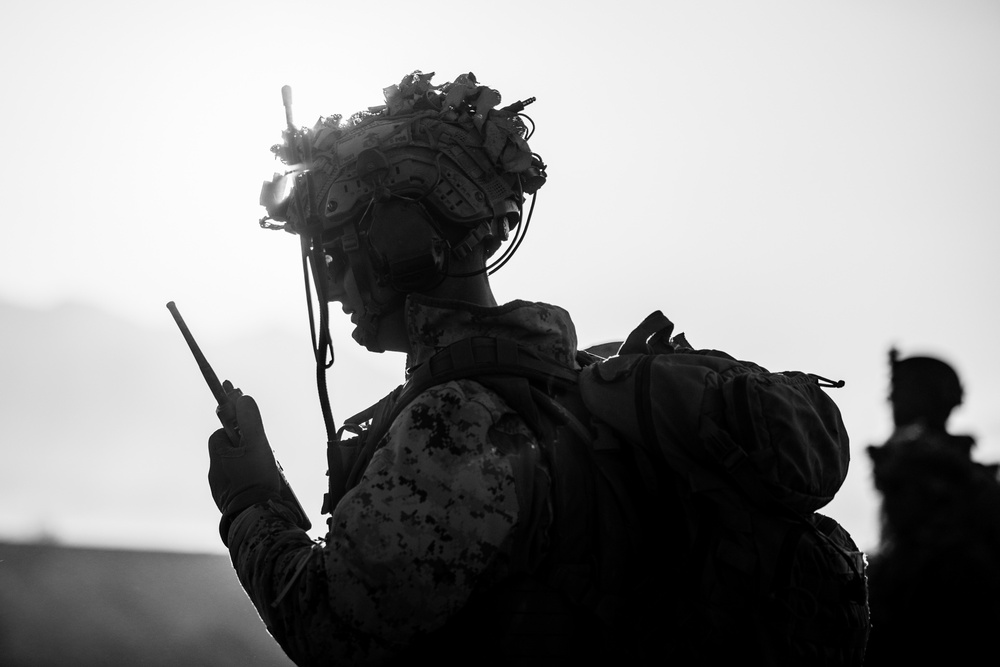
(226, 395)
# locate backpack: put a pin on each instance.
(750, 456)
(714, 467)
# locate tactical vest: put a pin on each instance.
(552, 610)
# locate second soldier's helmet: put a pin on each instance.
(922, 388)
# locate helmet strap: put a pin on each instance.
(368, 324)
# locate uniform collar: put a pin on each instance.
(433, 324)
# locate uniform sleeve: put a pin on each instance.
(430, 521)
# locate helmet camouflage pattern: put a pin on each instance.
(449, 147)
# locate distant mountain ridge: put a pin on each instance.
(105, 608)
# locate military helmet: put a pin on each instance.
(923, 387)
(447, 147)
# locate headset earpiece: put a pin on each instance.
(409, 254)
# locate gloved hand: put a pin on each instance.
(244, 473)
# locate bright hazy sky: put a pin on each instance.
(800, 183)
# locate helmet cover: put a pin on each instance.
(447, 146)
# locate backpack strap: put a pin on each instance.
(483, 355)
(347, 458)
(498, 363)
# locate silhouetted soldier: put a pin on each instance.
(935, 582)
(474, 518)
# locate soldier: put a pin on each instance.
(935, 587)
(446, 514)
(479, 515)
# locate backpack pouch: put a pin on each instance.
(777, 432)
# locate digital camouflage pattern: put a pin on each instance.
(434, 324)
(435, 518)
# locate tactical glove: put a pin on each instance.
(244, 473)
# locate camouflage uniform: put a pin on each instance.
(437, 518)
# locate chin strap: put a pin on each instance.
(367, 332)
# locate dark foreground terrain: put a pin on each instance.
(77, 606)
